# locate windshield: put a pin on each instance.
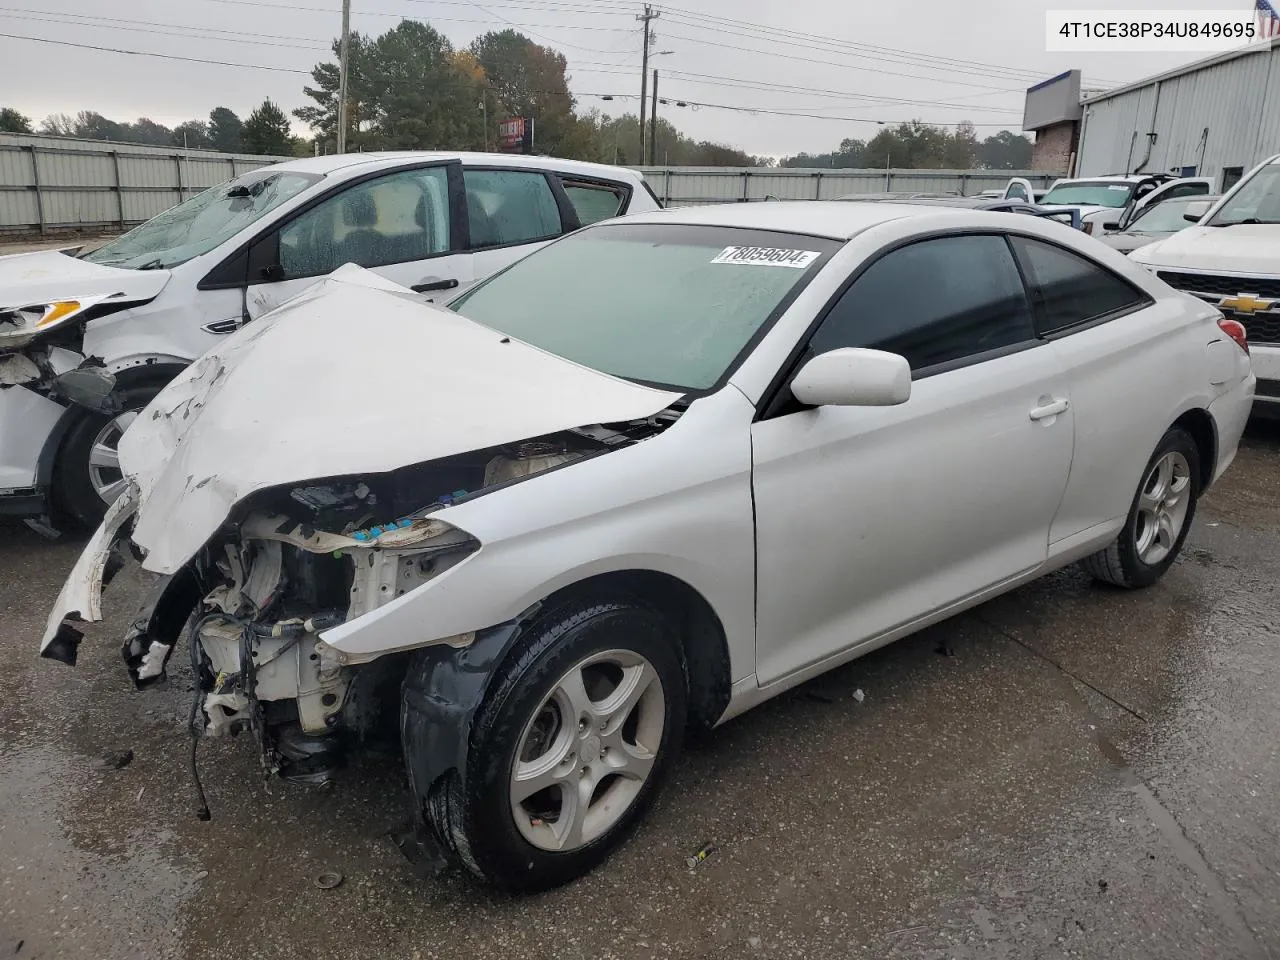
(665, 304)
(198, 225)
(1257, 200)
(1165, 217)
(1092, 193)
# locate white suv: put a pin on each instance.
(86, 342)
(1232, 260)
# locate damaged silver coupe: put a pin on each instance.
(652, 475)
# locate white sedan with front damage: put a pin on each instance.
(648, 477)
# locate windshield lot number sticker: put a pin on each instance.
(767, 257)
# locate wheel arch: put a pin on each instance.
(1199, 424)
(703, 644)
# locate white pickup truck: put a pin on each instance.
(1231, 258)
(1108, 204)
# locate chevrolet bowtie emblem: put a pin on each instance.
(1245, 303)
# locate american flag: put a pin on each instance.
(1268, 19)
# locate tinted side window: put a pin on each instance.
(398, 218)
(1068, 289)
(510, 206)
(1184, 190)
(594, 201)
(933, 302)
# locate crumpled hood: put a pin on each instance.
(1244, 248)
(27, 278)
(355, 375)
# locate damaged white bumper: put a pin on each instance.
(80, 599)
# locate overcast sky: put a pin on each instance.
(993, 50)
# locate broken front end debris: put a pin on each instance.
(293, 562)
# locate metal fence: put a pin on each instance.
(688, 186)
(49, 184)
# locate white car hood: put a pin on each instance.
(44, 275)
(355, 375)
(1244, 248)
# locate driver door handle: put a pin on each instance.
(1057, 406)
(433, 285)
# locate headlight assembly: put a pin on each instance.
(20, 325)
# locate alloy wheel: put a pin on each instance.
(587, 751)
(1162, 507)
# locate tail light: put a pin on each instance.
(1236, 331)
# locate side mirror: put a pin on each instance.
(1195, 210)
(853, 377)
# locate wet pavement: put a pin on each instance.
(1067, 771)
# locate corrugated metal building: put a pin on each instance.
(1214, 118)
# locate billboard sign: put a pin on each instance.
(516, 136)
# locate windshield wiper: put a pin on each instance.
(156, 264)
(1247, 220)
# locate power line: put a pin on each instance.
(798, 112)
(188, 35)
(721, 81)
(572, 46)
(177, 26)
(161, 56)
(921, 58)
(831, 63)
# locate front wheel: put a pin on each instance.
(1159, 518)
(570, 747)
(88, 477)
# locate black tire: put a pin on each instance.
(478, 818)
(74, 493)
(1119, 564)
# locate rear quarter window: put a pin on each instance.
(1068, 290)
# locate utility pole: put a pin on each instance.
(653, 124)
(343, 56)
(484, 110)
(648, 15)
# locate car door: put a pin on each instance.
(1183, 187)
(510, 213)
(1124, 365)
(400, 224)
(870, 518)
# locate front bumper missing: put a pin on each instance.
(442, 692)
(80, 599)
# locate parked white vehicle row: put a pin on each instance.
(652, 475)
(1110, 203)
(86, 343)
(1231, 259)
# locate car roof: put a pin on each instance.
(973, 203)
(1109, 178)
(836, 219)
(364, 162)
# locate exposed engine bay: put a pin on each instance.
(293, 562)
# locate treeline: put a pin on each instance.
(411, 89)
(921, 146)
(265, 131)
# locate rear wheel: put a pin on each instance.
(1159, 518)
(570, 747)
(88, 477)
